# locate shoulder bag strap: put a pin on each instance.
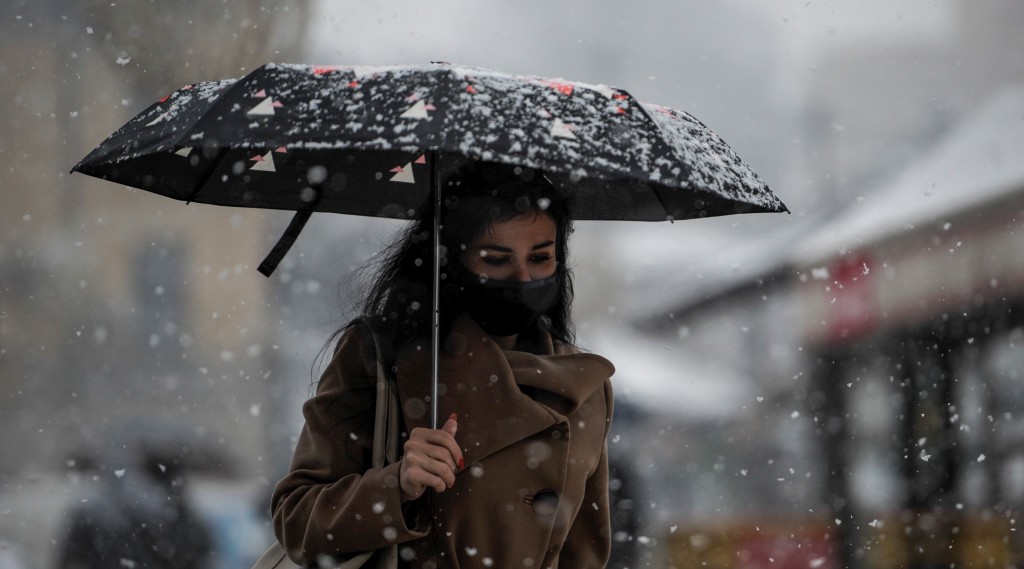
(386, 418)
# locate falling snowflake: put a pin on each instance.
(122, 60)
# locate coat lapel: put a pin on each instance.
(490, 389)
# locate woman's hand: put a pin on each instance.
(432, 457)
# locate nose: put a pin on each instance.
(522, 273)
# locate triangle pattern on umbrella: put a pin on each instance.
(265, 107)
(160, 118)
(563, 87)
(183, 151)
(264, 163)
(562, 130)
(403, 174)
(604, 90)
(417, 111)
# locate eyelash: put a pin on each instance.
(498, 261)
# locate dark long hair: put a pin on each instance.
(398, 300)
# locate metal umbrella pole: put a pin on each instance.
(435, 332)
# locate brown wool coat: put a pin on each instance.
(533, 430)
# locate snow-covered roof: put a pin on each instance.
(979, 161)
(696, 271)
(668, 378)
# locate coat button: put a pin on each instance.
(545, 502)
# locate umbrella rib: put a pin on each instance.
(711, 195)
(223, 149)
(671, 151)
(206, 175)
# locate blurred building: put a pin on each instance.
(880, 332)
(869, 109)
(115, 303)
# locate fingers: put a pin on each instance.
(438, 437)
(451, 426)
(432, 457)
(418, 474)
(430, 452)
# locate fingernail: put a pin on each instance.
(462, 464)
(454, 417)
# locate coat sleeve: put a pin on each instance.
(588, 543)
(331, 502)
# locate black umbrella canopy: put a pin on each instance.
(379, 141)
(369, 141)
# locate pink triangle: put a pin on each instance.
(421, 160)
(257, 158)
(262, 93)
(397, 169)
(278, 104)
(281, 149)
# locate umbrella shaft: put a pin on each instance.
(435, 333)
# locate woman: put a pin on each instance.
(517, 476)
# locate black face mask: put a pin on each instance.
(504, 308)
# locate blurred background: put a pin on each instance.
(838, 387)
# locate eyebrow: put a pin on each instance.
(503, 249)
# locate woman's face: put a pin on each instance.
(519, 249)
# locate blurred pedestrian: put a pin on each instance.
(139, 518)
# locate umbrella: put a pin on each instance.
(377, 141)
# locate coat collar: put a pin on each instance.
(500, 396)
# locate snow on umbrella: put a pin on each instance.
(377, 141)
(365, 140)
